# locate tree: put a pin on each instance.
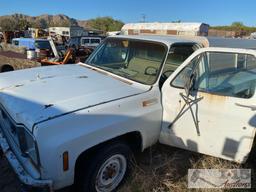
(40, 24)
(23, 24)
(105, 24)
(7, 25)
(238, 27)
(237, 24)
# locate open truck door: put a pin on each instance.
(209, 103)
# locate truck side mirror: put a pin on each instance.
(189, 82)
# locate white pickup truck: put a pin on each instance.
(81, 123)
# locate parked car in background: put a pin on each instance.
(82, 123)
(31, 43)
(90, 42)
(111, 33)
(253, 35)
(84, 42)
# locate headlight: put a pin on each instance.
(27, 144)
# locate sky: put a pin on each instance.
(213, 12)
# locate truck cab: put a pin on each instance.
(82, 123)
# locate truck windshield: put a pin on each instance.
(136, 60)
(42, 45)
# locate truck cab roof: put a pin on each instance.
(203, 41)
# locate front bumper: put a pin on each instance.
(24, 177)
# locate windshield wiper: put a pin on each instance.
(114, 71)
(122, 73)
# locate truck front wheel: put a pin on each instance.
(107, 169)
(6, 68)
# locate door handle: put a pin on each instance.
(252, 107)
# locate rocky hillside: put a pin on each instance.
(49, 20)
(21, 22)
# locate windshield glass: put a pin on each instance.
(42, 45)
(136, 60)
(95, 41)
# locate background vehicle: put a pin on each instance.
(90, 42)
(84, 42)
(32, 44)
(74, 42)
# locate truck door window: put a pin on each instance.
(15, 42)
(229, 74)
(226, 74)
(95, 41)
(85, 41)
(180, 80)
(178, 54)
(250, 62)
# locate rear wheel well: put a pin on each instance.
(6, 68)
(133, 140)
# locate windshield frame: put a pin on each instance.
(166, 49)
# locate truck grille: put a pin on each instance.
(8, 127)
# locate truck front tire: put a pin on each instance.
(6, 68)
(106, 170)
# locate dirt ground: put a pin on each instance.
(158, 169)
(16, 60)
(8, 180)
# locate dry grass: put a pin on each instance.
(163, 168)
(159, 169)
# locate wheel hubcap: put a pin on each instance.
(111, 173)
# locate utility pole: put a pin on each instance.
(143, 18)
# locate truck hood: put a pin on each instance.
(34, 95)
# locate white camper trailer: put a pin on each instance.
(191, 29)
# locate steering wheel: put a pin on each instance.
(150, 70)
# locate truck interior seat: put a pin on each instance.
(140, 65)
